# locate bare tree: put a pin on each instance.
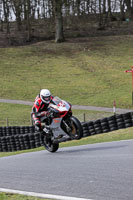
(6, 11)
(1, 16)
(122, 8)
(17, 9)
(59, 35)
(129, 8)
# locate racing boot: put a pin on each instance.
(38, 128)
(46, 130)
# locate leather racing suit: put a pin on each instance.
(39, 110)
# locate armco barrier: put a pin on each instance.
(16, 138)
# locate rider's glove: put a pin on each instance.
(47, 114)
(44, 113)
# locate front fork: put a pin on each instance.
(67, 127)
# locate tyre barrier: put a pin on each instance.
(16, 138)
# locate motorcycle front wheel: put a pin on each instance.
(76, 132)
(49, 145)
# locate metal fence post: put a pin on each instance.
(84, 117)
(7, 122)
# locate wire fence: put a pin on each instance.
(83, 117)
(12, 122)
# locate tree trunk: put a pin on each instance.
(6, 14)
(129, 8)
(122, 5)
(1, 22)
(78, 7)
(104, 6)
(17, 8)
(59, 36)
(109, 7)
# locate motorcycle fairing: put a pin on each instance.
(59, 105)
(55, 126)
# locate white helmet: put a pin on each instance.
(45, 96)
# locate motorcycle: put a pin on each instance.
(62, 126)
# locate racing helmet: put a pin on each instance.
(45, 96)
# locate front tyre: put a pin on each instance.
(49, 145)
(76, 132)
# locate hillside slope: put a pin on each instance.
(84, 71)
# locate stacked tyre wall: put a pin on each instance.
(108, 124)
(16, 138)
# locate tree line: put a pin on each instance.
(28, 11)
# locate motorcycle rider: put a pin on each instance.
(39, 109)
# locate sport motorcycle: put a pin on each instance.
(61, 125)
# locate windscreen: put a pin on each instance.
(56, 100)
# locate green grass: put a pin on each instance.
(123, 134)
(85, 72)
(9, 196)
(14, 114)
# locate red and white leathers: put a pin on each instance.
(39, 109)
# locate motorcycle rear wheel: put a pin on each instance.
(50, 146)
(77, 131)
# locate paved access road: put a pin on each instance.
(79, 107)
(98, 171)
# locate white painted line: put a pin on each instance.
(49, 196)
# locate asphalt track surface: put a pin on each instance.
(79, 107)
(101, 171)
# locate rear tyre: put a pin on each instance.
(49, 145)
(76, 129)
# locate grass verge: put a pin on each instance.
(9, 196)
